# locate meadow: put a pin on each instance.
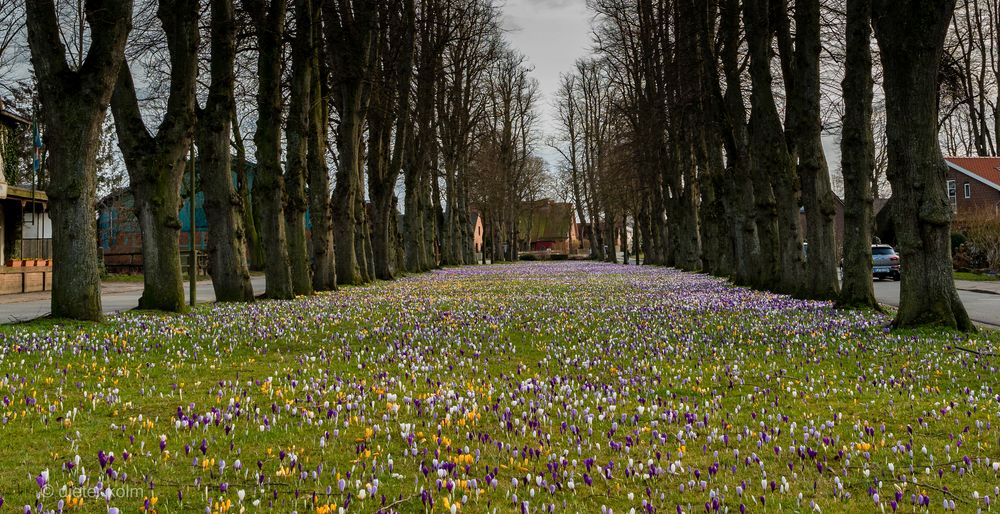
(541, 387)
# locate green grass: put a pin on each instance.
(116, 277)
(565, 359)
(978, 277)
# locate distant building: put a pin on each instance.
(25, 229)
(838, 221)
(973, 184)
(476, 224)
(548, 226)
(120, 238)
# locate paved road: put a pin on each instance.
(115, 297)
(981, 299)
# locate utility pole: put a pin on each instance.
(193, 232)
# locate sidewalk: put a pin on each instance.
(115, 297)
(985, 286)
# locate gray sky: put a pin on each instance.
(553, 34)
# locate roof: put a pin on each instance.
(983, 169)
(548, 220)
(25, 193)
(10, 117)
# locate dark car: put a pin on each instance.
(885, 262)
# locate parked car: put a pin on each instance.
(885, 262)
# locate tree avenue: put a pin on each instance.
(401, 136)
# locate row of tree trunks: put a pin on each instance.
(388, 129)
(419, 225)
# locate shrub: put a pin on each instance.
(982, 231)
(957, 239)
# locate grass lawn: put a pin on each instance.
(965, 275)
(538, 387)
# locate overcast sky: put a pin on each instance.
(553, 34)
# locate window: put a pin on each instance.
(968, 190)
(953, 196)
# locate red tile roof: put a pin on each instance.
(984, 169)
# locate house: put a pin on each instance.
(120, 238)
(476, 224)
(548, 226)
(973, 184)
(25, 229)
(838, 221)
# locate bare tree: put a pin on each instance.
(858, 160)
(297, 132)
(223, 206)
(75, 99)
(156, 163)
(921, 213)
(269, 23)
(350, 34)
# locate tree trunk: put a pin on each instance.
(324, 269)
(269, 23)
(156, 164)
(345, 195)
(255, 250)
(820, 280)
(297, 137)
(775, 191)
(921, 215)
(857, 149)
(350, 28)
(223, 207)
(75, 103)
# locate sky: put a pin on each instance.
(552, 34)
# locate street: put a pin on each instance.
(115, 297)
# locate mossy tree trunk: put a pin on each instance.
(75, 103)
(269, 23)
(227, 250)
(857, 149)
(297, 136)
(911, 36)
(156, 163)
